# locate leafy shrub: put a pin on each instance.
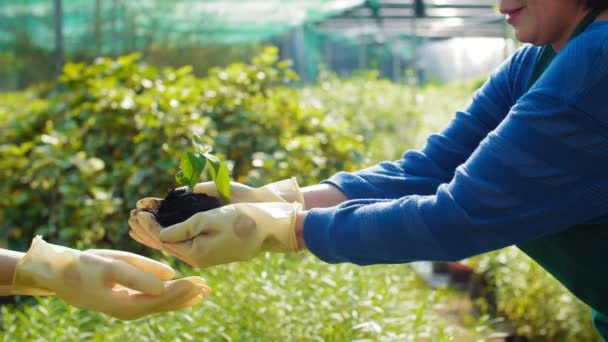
(538, 306)
(385, 112)
(74, 163)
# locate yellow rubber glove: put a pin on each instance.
(124, 285)
(235, 232)
(286, 190)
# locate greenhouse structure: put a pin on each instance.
(393, 36)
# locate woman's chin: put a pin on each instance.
(523, 37)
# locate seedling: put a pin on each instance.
(193, 164)
(181, 203)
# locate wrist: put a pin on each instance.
(300, 217)
(286, 190)
(322, 196)
(8, 264)
(39, 269)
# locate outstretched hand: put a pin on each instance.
(234, 232)
(146, 230)
(121, 284)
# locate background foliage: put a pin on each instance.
(272, 298)
(112, 132)
(534, 302)
(76, 155)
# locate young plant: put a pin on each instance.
(180, 204)
(193, 164)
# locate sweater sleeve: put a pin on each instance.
(542, 170)
(422, 171)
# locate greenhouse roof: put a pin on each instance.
(421, 18)
(103, 25)
(87, 23)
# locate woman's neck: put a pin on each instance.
(566, 34)
(603, 16)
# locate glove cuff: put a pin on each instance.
(275, 223)
(287, 234)
(288, 190)
(38, 268)
(293, 244)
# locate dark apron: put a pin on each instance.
(575, 256)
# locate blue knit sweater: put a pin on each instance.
(512, 167)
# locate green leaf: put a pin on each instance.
(220, 176)
(222, 183)
(199, 145)
(215, 162)
(192, 165)
(180, 179)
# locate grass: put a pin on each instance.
(272, 298)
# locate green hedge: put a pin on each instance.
(74, 162)
(535, 303)
(76, 156)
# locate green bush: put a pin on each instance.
(536, 304)
(74, 163)
(385, 112)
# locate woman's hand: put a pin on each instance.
(286, 191)
(234, 232)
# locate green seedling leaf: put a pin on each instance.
(220, 176)
(180, 179)
(212, 159)
(192, 165)
(222, 183)
(199, 145)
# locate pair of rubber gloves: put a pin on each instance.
(255, 220)
(121, 284)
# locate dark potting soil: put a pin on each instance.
(179, 205)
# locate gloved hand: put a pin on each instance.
(234, 232)
(123, 285)
(286, 190)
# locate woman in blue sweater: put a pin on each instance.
(525, 164)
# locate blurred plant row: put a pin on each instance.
(16, 71)
(535, 304)
(76, 155)
(75, 160)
